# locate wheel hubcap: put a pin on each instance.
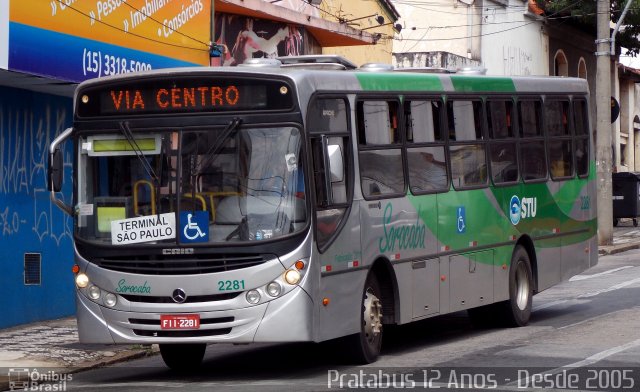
(372, 317)
(522, 286)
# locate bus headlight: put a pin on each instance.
(292, 276)
(253, 297)
(94, 292)
(110, 300)
(274, 289)
(82, 280)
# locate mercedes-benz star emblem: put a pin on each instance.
(179, 296)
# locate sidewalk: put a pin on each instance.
(54, 344)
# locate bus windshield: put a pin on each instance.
(245, 184)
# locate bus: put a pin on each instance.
(306, 200)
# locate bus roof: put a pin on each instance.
(315, 78)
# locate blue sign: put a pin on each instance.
(51, 54)
(461, 221)
(194, 226)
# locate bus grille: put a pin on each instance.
(182, 334)
(180, 264)
(148, 299)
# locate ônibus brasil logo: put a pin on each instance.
(521, 210)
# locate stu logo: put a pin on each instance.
(527, 208)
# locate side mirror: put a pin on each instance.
(56, 171)
(336, 162)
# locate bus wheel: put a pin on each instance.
(183, 357)
(517, 309)
(366, 345)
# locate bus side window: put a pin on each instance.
(559, 145)
(468, 159)
(425, 147)
(380, 156)
(581, 126)
(503, 151)
(378, 123)
(465, 120)
(532, 151)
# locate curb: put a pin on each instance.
(612, 250)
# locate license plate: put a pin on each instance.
(182, 321)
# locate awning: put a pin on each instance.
(327, 33)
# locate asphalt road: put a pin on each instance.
(584, 335)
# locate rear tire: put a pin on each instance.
(516, 311)
(183, 357)
(365, 346)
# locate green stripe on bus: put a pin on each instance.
(488, 225)
(475, 84)
(401, 81)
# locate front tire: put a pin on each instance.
(183, 357)
(365, 346)
(516, 311)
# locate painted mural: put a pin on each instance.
(29, 222)
(244, 38)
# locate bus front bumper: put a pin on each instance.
(284, 319)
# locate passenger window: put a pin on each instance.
(464, 120)
(423, 121)
(381, 173)
(533, 161)
(580, 117)
(560, 158)
(499, 114)
(468, 165)
(378, 123)
(556, 113)
(504, 163)
(427, 169)
(581, 126)
(529, 115)
(582, 157)
(380, 156)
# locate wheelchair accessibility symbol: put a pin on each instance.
(194, 226)
(462, 226)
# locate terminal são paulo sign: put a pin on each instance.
(143, 229)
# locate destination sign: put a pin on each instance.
(183, 96)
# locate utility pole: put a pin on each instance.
(603, 125)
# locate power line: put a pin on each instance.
(133, 34)
(164, 25)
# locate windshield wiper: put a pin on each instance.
(196, 170)
(126, 131)
(233, 126)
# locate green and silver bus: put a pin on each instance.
(308, 200)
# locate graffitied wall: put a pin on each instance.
(29, 222)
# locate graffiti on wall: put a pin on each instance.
(244, 38)
(517, 61)
(25, 134)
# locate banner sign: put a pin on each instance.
(76, 40)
